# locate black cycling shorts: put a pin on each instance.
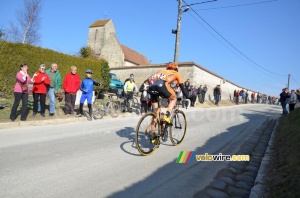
(159, 88)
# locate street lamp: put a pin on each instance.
(177, 31)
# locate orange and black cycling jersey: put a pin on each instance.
(167, 75)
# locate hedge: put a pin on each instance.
(13, 54)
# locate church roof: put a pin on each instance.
(133, 56)
(100, 23)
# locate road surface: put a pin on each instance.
(99, 158)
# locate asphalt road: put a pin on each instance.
(99, 158)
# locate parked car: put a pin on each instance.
(115, 85)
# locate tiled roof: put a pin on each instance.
(133, 56)
(99, 23)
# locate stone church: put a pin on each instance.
(103, 41)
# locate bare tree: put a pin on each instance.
(26, 31)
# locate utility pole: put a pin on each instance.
(177, 32)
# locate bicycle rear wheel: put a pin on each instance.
(178, 128)
(98, 113)
(135, 103)
(114, 109)
(143, 141)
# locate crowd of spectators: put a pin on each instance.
(47, 82)
(288, 100)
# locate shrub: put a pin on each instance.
(13, 54)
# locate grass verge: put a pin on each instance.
(283, 172)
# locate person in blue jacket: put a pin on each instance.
(87, 88)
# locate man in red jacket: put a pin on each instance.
(39, 89)
(71, 86)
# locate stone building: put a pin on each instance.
(103, 41)
(197, 74)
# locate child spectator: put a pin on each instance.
(87, 88)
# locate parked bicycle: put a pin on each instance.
(110, 107)
(176, 130)
(127, 105)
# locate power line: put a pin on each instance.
(239, 5)
(295, 80)
(200, 3)
(232, 44)
(234, 52)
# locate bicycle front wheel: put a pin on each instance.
(143, 141)
(98, 113)
(114, 109)
(178, 128)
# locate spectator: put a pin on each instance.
(258, 98)
(71, 86)
(276, 101)
(180, 97)
(242, 94)
(252, 97)
(272, 100)
(129, 89)
(269, 100)
(199, 90)
(203, 92)
(193, 95)
(178, 92)
(293, 100)
(283, 100)
(234, 95)
(55, 83)
(298, 96)
(145, 97)
(237, 98)
(246, 97)
(21, 93)
(265, 98)
(87, 88)
(187, 83)
(217, 94)
(39, 89)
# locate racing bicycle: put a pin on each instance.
(176, 129)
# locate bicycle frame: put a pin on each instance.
(163, 126)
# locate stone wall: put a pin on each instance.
(197, 74)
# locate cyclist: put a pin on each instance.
(87, 88)
(160, 85)
(129, 89)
